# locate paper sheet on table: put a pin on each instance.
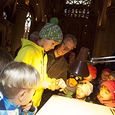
(59, 105)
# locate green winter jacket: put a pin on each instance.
(34, 55)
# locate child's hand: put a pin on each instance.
(108, 103)
(27, 107)
(100, 99)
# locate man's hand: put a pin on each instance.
(61, 84)
(55, 84)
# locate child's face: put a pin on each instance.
(111, 77)
(80, 93)
(104, 93)
(105, 75)
(27, 96)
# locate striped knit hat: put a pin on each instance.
(51, 31)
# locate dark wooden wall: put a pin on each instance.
(77, 19)
(105, 35)
(93, 24)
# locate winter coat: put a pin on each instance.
(34, 55)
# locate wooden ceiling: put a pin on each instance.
(43, 10)
(47, 8)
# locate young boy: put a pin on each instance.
(83, 90)
(105, 75)
(18, 82)
(106, 94)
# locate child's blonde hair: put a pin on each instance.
(86, 87)
(16, 76)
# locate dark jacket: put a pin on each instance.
(57, 67)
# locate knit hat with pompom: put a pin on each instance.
(52, 31)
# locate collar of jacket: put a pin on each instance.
(26, 42)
